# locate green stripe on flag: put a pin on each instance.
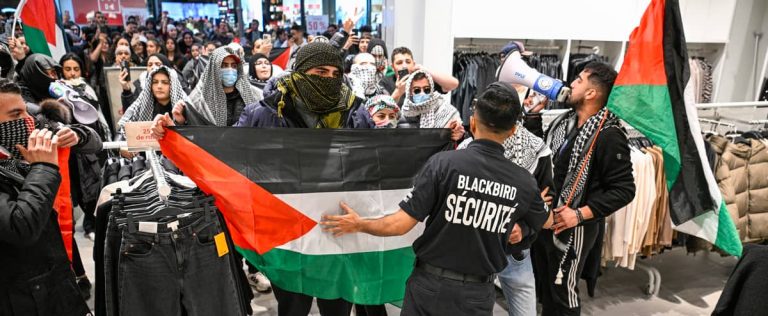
(36, 40)
(727, 235)
(369, 278)
(648, 108)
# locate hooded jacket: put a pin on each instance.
(742, 174)
(33, 79)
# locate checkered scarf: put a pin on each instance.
(363, 80)
(13, 133)
(579, 158)
(436, 112)
(523, 148)
(141, 109)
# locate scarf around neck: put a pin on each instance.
(436, 112)
(141, 109)
(214, 101)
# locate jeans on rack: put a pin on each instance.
(111, 255)
(519, 285)
(177, 270)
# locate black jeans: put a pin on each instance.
(171, 271)
(429, 294)
(297, 304)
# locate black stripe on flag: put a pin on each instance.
(299, 160)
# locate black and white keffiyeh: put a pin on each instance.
(580, 157)
(436, 112)
(208, 97)
(13, 133)
(523, 148)
(141, 109)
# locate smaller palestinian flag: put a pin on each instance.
(41, 23)
(652, 93)
(280, 56)
(274, 185)
(63, 202)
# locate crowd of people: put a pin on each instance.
(196, 72)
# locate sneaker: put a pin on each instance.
(85, 286)
(258, 308)
(260, 282)
(90, 236)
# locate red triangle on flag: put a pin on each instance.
(257, 219)
(282, 58)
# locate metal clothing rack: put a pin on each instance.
(158, 173)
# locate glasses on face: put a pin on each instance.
(426, 90)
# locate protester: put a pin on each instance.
(223, 91)
(424, 107)
(161, 94)
(362, 77)
(195, 66)
(154, 47)
(174, 56)
(128, 96)
(34, 260)
(384, 111)
(259, 71)
(402, 59)
(36, 76)
(184, 46)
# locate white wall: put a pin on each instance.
(735, 83)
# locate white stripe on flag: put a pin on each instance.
(368, 204)
(706, 225)
(58, 50)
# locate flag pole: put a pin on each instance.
(16, 18)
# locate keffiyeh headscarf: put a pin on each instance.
(363, 80)
(13, 133)
(381, 102)
(209, 98)
(141, 109)
(436, 112)
(523, 148)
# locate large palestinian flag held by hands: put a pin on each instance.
(653, 94)
(274, 185)
(41, 23)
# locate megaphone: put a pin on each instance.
(83, 111)
(516, 71)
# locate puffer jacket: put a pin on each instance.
(747, 168)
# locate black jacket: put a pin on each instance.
(36, 278)
(744, 294)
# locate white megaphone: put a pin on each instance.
(516, 71)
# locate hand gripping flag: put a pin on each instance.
(274, 185)
(653, 94)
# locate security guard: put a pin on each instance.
(471, 200)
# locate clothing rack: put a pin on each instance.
(163, 188)
(113, 145)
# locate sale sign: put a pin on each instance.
(113, 10)
(317, 24)
(139, 135)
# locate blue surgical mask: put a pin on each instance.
(420, 98)
(228, 77)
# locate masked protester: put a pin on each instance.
(362, 77)
(379, 51)
(223, 91)
(384, 111)
(426, 108)
(161, 92)
(34, 260)
(36, 76)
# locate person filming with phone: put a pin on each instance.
(404, 65)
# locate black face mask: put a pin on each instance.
(321, 95)
(16, 132)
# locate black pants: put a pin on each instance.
(77, 261)
(89, 220)
(370, 310)
(168, 272)
(428, 294)
(562, 299)
(297, 304)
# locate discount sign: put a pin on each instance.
(317, 24)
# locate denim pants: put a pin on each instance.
(519, 285)
(178, 269)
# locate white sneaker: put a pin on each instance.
(258, 308)
(260, 282)
(91, 236)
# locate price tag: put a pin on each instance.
(139, 136)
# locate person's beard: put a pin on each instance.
(574, 103)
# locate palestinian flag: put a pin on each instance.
(280, 56)
(63, 203)
(41, 23)
(274, 185)
(652, 93)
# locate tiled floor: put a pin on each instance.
(690, 285)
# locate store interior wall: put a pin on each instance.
(735, 84)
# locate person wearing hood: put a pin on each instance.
(128, 96)
(259, 71)
(162, 90)
(362, 77)
(312, 96)
(37, 277)
(223, 91)
(424, 107)
(36, 76)
(379, 51)
(196, 65)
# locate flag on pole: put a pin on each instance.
(653, 94)
(274, 185)
(41, 23)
